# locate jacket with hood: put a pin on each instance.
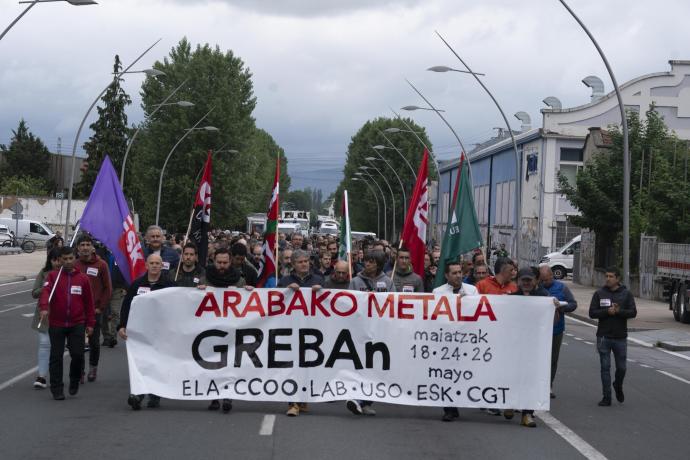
(377, 283)
(96, 269)
(72, 302)
(616, 326)
(407, 281)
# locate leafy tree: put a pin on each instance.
(217, 81)
(110, 133)
(299, 200)
(24, 186)
(362, 203)
(26, 157)
(659, 195)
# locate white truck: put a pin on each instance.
(561, 261)
(673, 271)
(28, 230)
(256, 223)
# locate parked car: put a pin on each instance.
(561, 261)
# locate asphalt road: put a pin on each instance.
(98, 423)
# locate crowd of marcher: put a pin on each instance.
(91, 298)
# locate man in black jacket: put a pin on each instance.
(153, 280)
(612, 305)
(190, 273)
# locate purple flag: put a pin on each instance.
(107, 218)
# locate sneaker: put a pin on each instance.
(227, 405)
(508, 414)
(303, 407)
(493, 411)
(215, 405)
(134, 401)
(40, 383)
(293, 410)
(448, 417)
(553, 395)
(354, 407)
(368, 410)
(605, 402)
(154, 402)
(620, 397)
(58, 395)
(73, 387)
(92, 374)
(528, 421)
(87, 348)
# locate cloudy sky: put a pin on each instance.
(323, 67)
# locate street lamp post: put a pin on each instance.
(390, 189)
(378, 207)
(410, 130)
(392, 146)
(165, 103)
(34, 3)
(187, 133)
(383, 197)
(402, 187)
(81, 125)
(518, 176)
(626, 151)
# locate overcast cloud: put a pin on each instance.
(322, 68)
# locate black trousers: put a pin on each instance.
(94, 343)
(74, 338)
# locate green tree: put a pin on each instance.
(110, 133)
(26, 157)
(659, 196)
(215, 80)
(362, 203)
(24, 186)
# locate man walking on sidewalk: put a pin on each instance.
(612, 305)
(70, 313)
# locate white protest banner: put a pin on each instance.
(284, 345)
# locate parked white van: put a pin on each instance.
(561, 261)
(29, 229)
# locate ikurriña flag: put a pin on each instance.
(269, 259)
(201, 220)
(414, 231)
(107, 218)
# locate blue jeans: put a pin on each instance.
(619, 347)
(43, 354)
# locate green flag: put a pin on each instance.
(462, 232)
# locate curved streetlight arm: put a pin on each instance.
(378, 207)
(402, 187)
(160, 181)
(385, 207)
(81, 125)
(390, 189)
(4, 32)
(409, 129)
(399, 153)
(518, 177)
(136, 133)
(626, 151)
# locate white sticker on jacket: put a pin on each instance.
(604, 302)
(196, 280)
(381, 286)
(92, 271)
(143, 290)
(166, 265)
(75, 290)
(45, 284)
(408, 288)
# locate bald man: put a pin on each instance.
(339, 278)
(152, 280)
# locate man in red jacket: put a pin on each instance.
(96, 269)
(70, 315)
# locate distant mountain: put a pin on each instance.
(325, 179)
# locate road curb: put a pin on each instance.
(674, 346)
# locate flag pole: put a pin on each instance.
(276, 257)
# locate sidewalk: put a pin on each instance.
(20, 267)
(654, 323)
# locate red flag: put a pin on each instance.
(201, 221)
(268, 265)
(414, 231)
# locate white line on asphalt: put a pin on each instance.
(578, 339)
(267, 425)
(17, 282)
(571, 437)
(15, 293)
(27, 315)
(565, 343)
(18, 307)
(647, 366)
(673, 376)
(16, 379)
(568, 334)
(589, 343)
(638, 341)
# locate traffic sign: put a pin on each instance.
(59, 195)
(17, 216)
(17, 208)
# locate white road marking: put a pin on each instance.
(15, 293)
(589, 343)
(571, 437)
(16, 307)
(22, 376)
(18, 282)
(647, 366)
(569, 334)
(27, 315)
(673, 376)
(565, 343)
(578, 339)
(637, 341)
(267, 425)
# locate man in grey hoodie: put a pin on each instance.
(403, 277)
(371, 279)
